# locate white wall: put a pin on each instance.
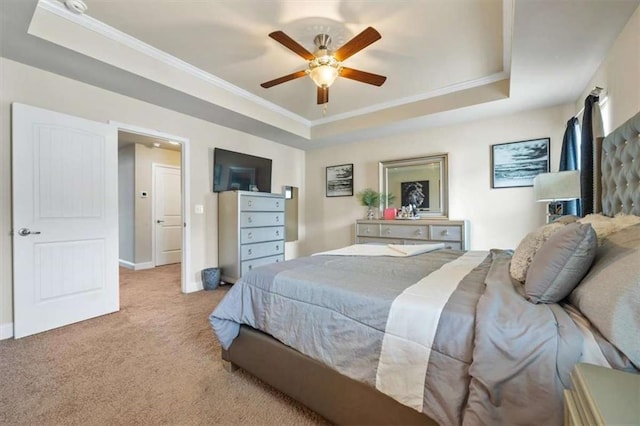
(498, 217)
(126, 211)
(619, 75)
(20, 83)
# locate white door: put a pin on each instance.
(168, 214)
(65, 219)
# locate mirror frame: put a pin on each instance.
(442, 159)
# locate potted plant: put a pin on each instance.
(371, 199)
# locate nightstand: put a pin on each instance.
(602, 396)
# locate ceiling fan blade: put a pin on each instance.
(323, 95)
(363, 76)
(356, 44)
(291, 44)
(284, 79)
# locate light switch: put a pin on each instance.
(199, 208)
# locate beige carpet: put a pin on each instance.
(154, 362)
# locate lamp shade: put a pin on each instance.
(559, 186)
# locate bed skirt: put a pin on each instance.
(338, 398)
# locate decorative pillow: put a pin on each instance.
(603, 225)
(608, 296)
(567, 219)
(528, 247)
(560, 263)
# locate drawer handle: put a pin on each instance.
(367, 231)
(277, 203)
(250, 235)
(277, 260)
(249, 203)
(250, 219)
(418, 232)
(445, 232)
(277, 218)
(387, 231)
(277, 246)
(277, 233)
(249, 251)
(250, 267)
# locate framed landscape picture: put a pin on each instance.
(515, 164)
(340, 180)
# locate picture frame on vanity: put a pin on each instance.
(515, 164)
(339, 180)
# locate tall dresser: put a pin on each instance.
(453, 233)
(250, 231)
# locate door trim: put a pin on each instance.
(185, 170)
(154, 169)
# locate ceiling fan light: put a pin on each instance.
(324, 75)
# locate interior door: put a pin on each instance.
(168, 214)
(65, 217)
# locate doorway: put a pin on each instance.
(153, 205)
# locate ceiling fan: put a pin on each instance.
(324, 65)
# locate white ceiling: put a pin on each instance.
(446, 61)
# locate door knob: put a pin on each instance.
(159, 221)
(24, 232)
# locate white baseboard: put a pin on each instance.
(136, 266)
(6, 331)
(143, 265)
(126, 264)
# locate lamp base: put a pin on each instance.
(554, 211)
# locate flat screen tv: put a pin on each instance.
(236, 171)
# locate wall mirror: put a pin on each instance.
(422, 181)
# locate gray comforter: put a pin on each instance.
(447, 333)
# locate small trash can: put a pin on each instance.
(211, 278)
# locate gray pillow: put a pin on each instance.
(560, 264)
(608, 296)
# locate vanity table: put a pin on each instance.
(453, 233)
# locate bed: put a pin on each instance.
(448, 337)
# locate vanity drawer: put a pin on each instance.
(404, 231)
(248, 265)
(258, 235)
(253, 251)
(367, 230)
(256, 219)
(446, 233)
(253, 203)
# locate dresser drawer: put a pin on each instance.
(256, 219)
(450, 245)
(374, 240)
(248, 265)
(446, 233)
(249, 203)
(367, 230)
(270, 248)
(258, 235)
(404, 231)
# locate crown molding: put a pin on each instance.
(416, 98)
(92, 24)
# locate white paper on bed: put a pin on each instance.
(394, 250)
(411, 328)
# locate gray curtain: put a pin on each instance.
(569, 159)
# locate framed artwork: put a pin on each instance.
(415, 193)
(515, 164)
(340, 180)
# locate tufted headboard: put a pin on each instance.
(620, 168)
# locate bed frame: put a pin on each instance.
(345, 401)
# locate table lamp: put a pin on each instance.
(554, 187)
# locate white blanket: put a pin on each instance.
(394, 250)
